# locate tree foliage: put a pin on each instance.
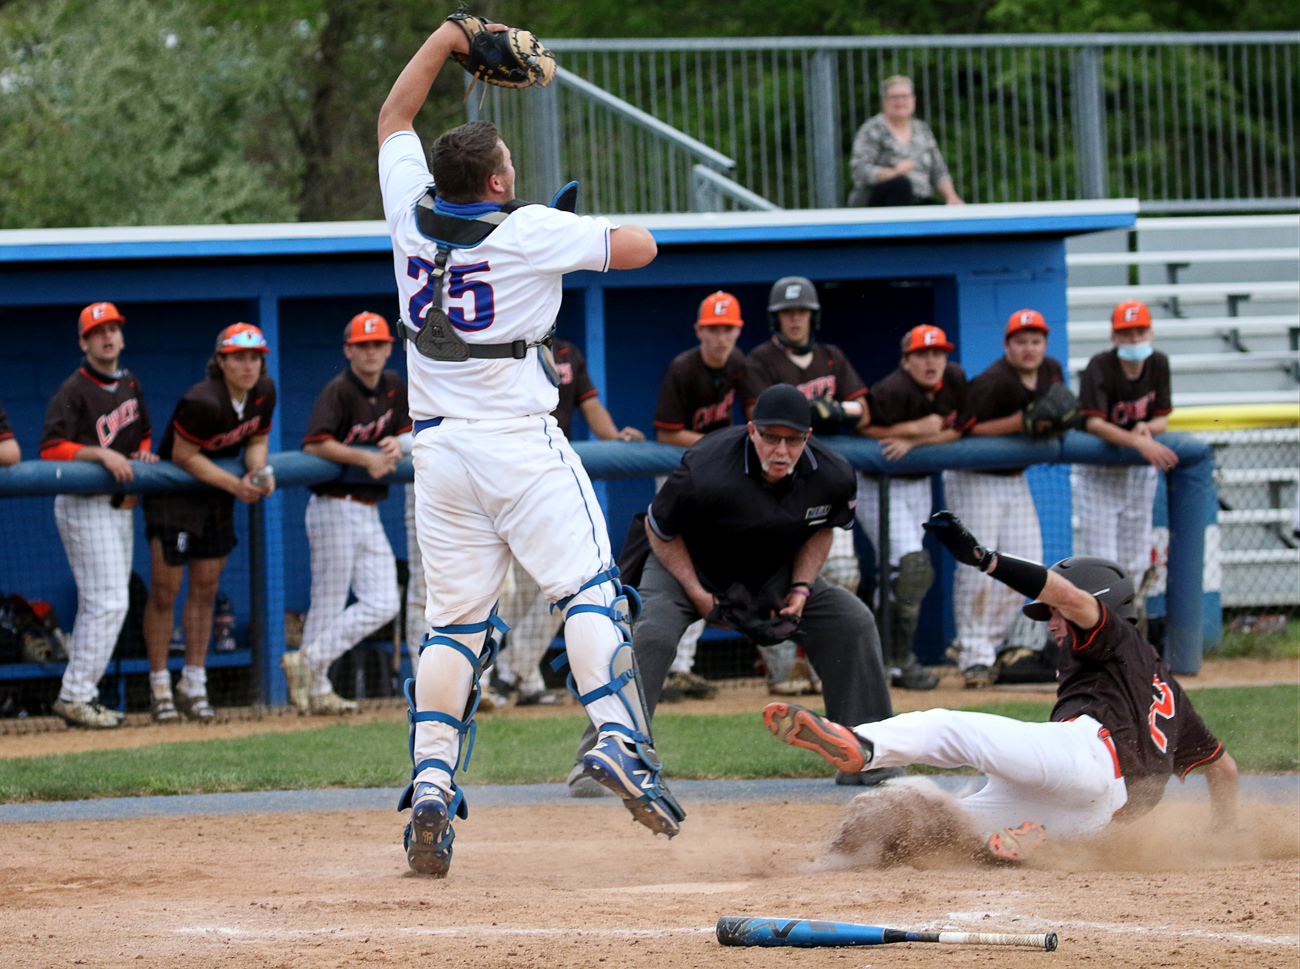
(134, 112)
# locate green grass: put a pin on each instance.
(1259, 725)
(1283, 645)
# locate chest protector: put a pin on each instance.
(436, 338)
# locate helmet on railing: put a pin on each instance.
(1103, 578)
(792, 293)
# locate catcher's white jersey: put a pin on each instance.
(506, 288)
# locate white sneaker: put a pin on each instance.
(331, 704)
(93, 714)
(298, 679)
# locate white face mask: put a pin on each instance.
(1135, 352)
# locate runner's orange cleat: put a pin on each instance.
(799, 727)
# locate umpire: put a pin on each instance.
(739, 532)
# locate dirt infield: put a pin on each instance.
(578, 885)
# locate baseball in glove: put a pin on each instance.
(506, 58)
(1056, 412)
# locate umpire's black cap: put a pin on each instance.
(785, 405)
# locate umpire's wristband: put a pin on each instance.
(1027, 578)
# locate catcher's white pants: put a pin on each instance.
(348, 550)
(1062, 775)
(1114, 509)
(485, 490)
(1000, 512)
(416, 594)
(99, 540)
(532, 627)
(909, 508)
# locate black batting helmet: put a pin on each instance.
(792, 293)
(1106, 580)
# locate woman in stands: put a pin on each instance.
(219, 417)
(896, 160)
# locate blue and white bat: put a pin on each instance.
(810, 933)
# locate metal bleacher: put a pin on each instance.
(1225, 299)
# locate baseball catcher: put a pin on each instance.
(1121, 725)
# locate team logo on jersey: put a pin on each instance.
(1132, 411)
(230, 438)
(714, 413)
(1161, 706)
(108, 426)
(369, 432)
(819, 387)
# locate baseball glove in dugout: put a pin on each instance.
(1056, 412)
(506, 58)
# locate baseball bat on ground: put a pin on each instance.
(809, 933)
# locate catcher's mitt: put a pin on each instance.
(1056, 412)
(507, 58)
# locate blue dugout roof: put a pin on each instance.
(709, 228)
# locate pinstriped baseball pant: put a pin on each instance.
(1000, 512)
(99, 540)
(1114, 507)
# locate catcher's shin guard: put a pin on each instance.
(915, 576)
(624, 759)
(429, 835)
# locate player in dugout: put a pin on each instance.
(523, 607)
(1125, 395)
(738, 535)
(98, 414)
(358, 419)
(997, 502)
(920, 403)
(227, 413)
(1120, 728)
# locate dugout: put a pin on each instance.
(879, 272)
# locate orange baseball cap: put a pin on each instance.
(720, 309)
(241, 336)
(97, 314)
(1129, 315)
(1026, 320)
(367, 328)
(927, 338)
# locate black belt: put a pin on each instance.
(514, 350)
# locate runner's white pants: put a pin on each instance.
(349, 550)
(484, 490)
(99, 540)
(999, 511)
(1062, 775)
(909, 508)
(1114, 509)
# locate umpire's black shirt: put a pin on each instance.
(737, 526)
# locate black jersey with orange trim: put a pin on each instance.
(351, 413)
(575, 383)
(6, 431)
(1105, 391)
(696, 397)
(828, 374)
(206, 416)
(94, 409)
(1113, 675)
(898, 399)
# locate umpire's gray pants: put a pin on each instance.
(840, 639)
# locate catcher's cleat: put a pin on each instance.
(297, 678)
(581, 785)
(643, 792)
(93, 714)
(331, 705)
(1016, 844)
(692, 685)
(195, 707)
(840, 746)
(429, 834)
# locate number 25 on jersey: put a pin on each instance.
(477, 309)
